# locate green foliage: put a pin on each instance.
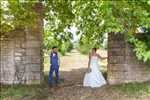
(93, 18)
(63, 41)
(28, 92)
(142, 47)
(16, 13)
(84, 49)
(66, 47)
(58, 17)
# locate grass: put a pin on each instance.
(41, 92)
(25, 92)
(135, 88)
(16, 92)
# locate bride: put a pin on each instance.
(94, 78)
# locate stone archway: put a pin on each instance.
(22, 61)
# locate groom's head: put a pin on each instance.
(54, 48)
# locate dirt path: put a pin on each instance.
(73, 66)
(73, 60)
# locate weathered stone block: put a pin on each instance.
(116, 59)
(33, 78)
(116, 44)
(133, 60)
(33, 44)
(18, 58)
(33, 68)
(33, 52)
(7, 76)
(116, 52)
(117, 67)
(20, 50)
(18, 54)
(115, 37)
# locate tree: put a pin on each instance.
(93, 18)
(15, 13)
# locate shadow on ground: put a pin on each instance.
(73, 77)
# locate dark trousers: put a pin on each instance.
(53, 69)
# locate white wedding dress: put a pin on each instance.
(95, 77)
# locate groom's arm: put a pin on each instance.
(89, 61)
(58, 60)
(50, 57)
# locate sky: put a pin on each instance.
(73, 30)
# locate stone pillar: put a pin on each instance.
(34, 54)
(123, 66)
(21, 56)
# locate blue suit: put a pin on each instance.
(54, 60)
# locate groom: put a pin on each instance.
(54, 67)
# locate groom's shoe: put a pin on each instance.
(57, 82)
(50, 84)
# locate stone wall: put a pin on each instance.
(21, 60)
(123, 66)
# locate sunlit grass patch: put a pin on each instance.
(25, 92)
(135, 88)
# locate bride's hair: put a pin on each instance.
(95, 49)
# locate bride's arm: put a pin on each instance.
(103, 58)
